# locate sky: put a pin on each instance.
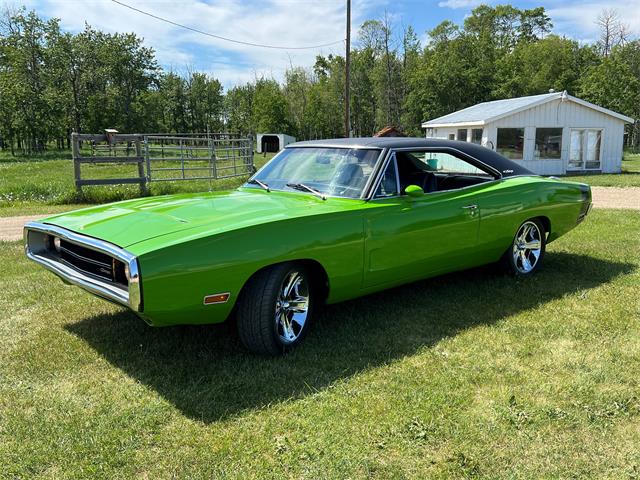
(290, 23)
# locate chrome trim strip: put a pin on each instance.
(130, 297)
(82, 240)
(374, 174)
(73, 276)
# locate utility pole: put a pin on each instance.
(347, 75)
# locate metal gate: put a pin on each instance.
(159, 157)
(202, 157)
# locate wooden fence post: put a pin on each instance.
(144, 188)
(75, 153)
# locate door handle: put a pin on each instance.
(470, 207)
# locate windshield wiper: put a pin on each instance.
(303, 187)
(262, 185)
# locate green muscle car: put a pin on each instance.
(322, 222)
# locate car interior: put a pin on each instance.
(442, 172)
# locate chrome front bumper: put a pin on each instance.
(36, 236)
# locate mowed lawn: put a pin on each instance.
(468, 375)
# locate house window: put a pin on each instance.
(584, 149)
(452, 136)
(476, 136)
(511, 142)
(462, 134)
(548, 143)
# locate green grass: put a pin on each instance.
(467, 375)
(47, 186)
(630, 176)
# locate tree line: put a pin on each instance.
(54, 82)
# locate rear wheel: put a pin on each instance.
(275, 309)
(525, 255)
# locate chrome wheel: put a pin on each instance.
(527, 247)
(292, 307)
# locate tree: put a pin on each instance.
(535, 67)
(612, 31)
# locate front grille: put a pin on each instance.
(97, 266)
(87, 260)
(92, 262)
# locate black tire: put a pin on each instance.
(512, 260)
(258, 329)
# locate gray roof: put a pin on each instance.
(486, 112)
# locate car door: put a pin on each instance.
(409, 238)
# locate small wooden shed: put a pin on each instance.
(551, 134)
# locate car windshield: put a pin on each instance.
(331, 172)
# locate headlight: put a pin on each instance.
(127, 273)
(56, 243)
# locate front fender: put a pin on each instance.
(177, 273)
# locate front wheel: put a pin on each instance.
(524, 257)
(275, 309)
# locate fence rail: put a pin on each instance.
(162, 158)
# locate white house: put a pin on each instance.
(552, 134)
(272, 142)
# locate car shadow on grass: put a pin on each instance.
(205, 373)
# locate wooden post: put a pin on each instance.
(144, 190)
(75, 153)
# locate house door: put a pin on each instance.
(584, 149)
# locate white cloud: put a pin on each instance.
(274, 22)
(460, 3)
(578, 19)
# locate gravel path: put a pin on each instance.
(603, 197)
(615, 197)
(11, 227)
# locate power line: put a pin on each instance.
(276, 47)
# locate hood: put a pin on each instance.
(132, 221)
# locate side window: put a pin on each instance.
(389, 184)
(446, 163)
(435, 171)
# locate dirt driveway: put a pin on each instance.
(603, 197)
(614, 197)
(11, 227)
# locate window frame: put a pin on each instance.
(497, 175)
(523, 142)
(365, 195)
(583, 149)
(535, 143)
(466, 134)
(392, 158)
(481, 134)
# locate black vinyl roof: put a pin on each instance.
(503, 165)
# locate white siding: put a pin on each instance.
(554, 114)
(566, 115)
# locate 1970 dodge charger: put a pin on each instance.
(323, 221)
